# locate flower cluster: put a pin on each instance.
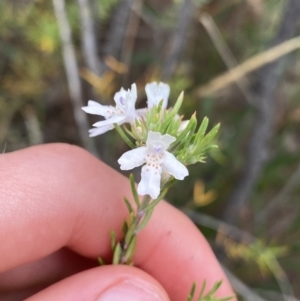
(164, 143)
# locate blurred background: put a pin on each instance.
(238, 63)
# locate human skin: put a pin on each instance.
(58, 205)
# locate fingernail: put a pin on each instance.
(129, 290)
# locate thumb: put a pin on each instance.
(106, 283)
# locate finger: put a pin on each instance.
(108, 283)
(41, 273)
(70, 198)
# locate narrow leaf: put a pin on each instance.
(134, 191)
(128, 205)
(129, 235)
(178, 103)
(131, 248)
(124, 228)
(190, 128)
(112, 239)
(192, 292)
(117, 254)
(209, 137)
(123, 136)
(202, 290)
(101, 261)
(214, 288)
(201, 131)
(172, 113)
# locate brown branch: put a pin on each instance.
(224, 51)
(89, 44)
(268, 78)
(256, 62)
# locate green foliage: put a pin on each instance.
(209, 296)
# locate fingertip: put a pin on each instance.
(107, 283)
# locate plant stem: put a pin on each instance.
(140, 214)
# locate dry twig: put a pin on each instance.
(72, 74)
(235, 74)
(225, 53)
(89, 44)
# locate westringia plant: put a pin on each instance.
(164, 144)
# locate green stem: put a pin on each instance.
(137, 222)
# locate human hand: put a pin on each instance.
(58, 205)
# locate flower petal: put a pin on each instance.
(96, 108)
(98, 131)
(174, 167)
(133, 158)
(114, 119)
(157, 92)
(150, 182)
(153, 137)
(157, 137)
(120, 98)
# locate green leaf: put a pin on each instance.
(124, 227)
(172, 113)
(134, 191)
(131, 248)
(112, 239)
(174, 126)
(190, 128)
(201, 131)
(128, 237)
(202, 290)
(129, 132)
(184, 138)
(117, 254)
(101, 261)
(178, 103)
(192, 292)
(128, 205)
(123, 136)
(209, 137)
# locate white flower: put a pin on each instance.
(157, 159)
(124, 111)
(157, 92)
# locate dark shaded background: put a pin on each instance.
(55, 55)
